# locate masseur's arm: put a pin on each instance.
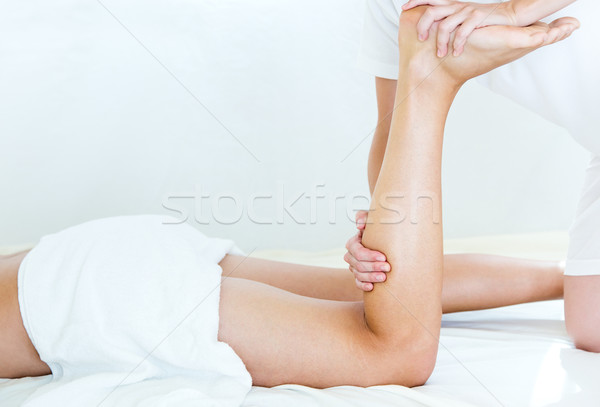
(464, 17)
(527, 12)
(386, 94)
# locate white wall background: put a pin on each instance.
(120, 110)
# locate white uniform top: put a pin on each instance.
(561, 83)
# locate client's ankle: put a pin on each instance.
(419, 60)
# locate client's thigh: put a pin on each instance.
(287, 338)
(18, 357)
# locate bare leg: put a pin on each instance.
(287, 338)
(475, 281)
(18, 357)
(406, 208)
(408, 305)
(582, 316)
(317, 282)
(470, 281)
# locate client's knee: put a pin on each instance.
(412, 50)
(423, 361)
(408, 362)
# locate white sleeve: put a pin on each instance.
(378, 54)
(559, 82)
(583, 258)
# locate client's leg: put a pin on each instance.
(392, 338)
(470, 282)
(18, 357)
(477, 281)
(406, 210)
(318, 282)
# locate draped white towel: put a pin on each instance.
(125, 311)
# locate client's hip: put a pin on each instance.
(18, 356)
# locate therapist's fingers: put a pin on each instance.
(364, 280)
(557, 30)
(561, 28)
(447, 26)
(361, 219)
(368, 277)
(463, 32)
(564, 32)
(366, 266)
(433, 14)
(361, 253)
(363, 286)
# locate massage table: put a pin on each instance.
(507, 357)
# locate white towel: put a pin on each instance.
(125, 312)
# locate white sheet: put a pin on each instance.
(512, 356)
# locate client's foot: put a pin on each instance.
(486, 49)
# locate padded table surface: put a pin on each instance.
(512, 356)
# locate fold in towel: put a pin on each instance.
(130, 303)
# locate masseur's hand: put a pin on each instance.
(459, 16)
(368, 266)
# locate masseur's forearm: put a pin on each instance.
(376, 155)
(528, 12)
(405, 218)
(386, 94)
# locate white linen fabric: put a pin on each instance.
(584, 250)
(559, 82)
(513, 356)
(130, 303)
